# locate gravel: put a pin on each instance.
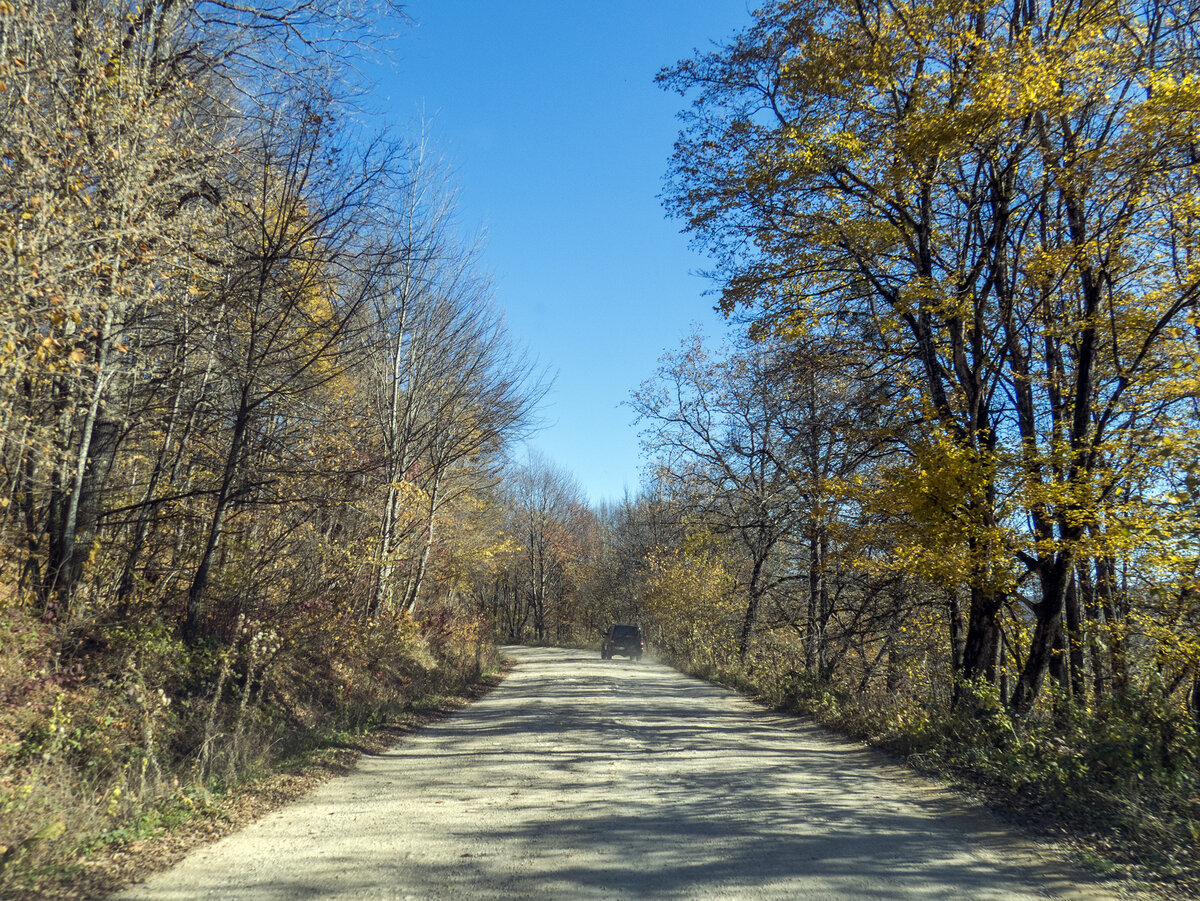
(579, 778)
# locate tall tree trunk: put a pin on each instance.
(812, 638)
(954, 614)
(1049, 617)
(88, 510)
(414, 587)
(983, 634)
(1091, 610)
(751, 617)
(195, 597)
(1075, 639)
(400, 417)
(1055, 572)
(1106, 585)
(387, 537)
(1060, 664)
(68, 565)
(147, 512)
(150, 507)
(825, 659)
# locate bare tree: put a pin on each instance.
(545, 503)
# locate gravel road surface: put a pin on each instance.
(579, 778)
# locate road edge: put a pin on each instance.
(102, 875)
(1055, 860)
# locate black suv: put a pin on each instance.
(625, 640)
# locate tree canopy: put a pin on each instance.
(1001, 198)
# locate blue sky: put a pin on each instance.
(559, 140)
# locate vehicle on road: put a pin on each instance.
(623, 639)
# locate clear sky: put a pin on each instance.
(559, 139)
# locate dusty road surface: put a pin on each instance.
(579, 778)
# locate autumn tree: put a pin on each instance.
(236, 337)
(98, 183)
(299, 266)
(763, 448)
(448, 388)
(547, 512)
(999, 193)
(120, 122)
(715, 428)
(628, 533)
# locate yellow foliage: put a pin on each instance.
(691, 599)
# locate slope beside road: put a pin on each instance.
(579, 778)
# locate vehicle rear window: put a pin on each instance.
(624, 631)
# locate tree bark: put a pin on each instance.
(1075, 639)
(1114, 616)
(751, 617)
(954, 612)
(1091, 610)
(1049, 617)
(192, 625)
(983, 634)
(414, 586)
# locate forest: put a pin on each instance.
(263, 481)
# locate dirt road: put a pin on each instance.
(579, 778)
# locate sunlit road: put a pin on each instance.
(582, 778)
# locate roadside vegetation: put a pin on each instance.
(254, 402)
(949, 473)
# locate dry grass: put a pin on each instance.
(119, 753)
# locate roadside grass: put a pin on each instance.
(122, 748)
(1117, 783)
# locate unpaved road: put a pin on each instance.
(579, 778)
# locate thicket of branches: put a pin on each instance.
(253, 397)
